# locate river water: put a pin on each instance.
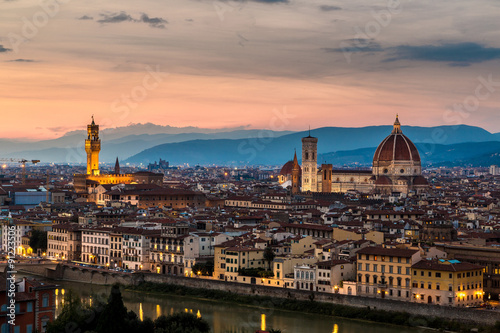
(228, 317)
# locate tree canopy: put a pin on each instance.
(38, 240)
(113, 317)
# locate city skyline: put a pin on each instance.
(218, 64)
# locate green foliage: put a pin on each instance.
(206, 269)
(269, 256)
(113, 317)
(38, 240)
(255, 272)
(181, 323)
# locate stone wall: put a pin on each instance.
(35, 269)
(81, 274)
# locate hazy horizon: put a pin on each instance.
(275, 64)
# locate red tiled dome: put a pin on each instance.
(420, 181)
(396, 147)
(287, 169)
(383, 180)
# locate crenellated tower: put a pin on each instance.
(92, 148)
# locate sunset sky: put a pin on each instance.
(261, 64)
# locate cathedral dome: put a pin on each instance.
(396, 147)
(397, 156)
(287, 168)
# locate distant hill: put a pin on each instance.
(278, 150)
(471, 153)
(143, 143)
(70, 149)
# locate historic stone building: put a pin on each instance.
(397, 165)
(309, 164)
(396, 168)
(85, 184)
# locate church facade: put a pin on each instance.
(396, 168)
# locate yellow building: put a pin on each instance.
(302, 245)
(243, 257)
(385, 273)
(64, 242)
(447, 282)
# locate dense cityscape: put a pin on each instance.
(397, 231)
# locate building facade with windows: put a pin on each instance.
(35, 306)
(95, 245)
(64, 242)
(447, 282)
(385, 272)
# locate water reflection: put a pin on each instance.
(225, 317)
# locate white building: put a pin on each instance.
(331, 275)
(305, 277)
(494, 170)
(201, 245)
(96, 245)
(18, 229)
(136, 248)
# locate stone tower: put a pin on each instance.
(92, 148)
(309, 163)
(295, 175)
(117, 167)
(326, 178)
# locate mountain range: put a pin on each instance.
(145, 143)
(355, 146)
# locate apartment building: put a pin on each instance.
(385, 272)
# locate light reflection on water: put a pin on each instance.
(226, 317)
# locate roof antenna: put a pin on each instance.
(309, 130)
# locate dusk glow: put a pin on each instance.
(217, 64)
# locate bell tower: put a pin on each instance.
(295, 175)
(92, 148)
(309, 163)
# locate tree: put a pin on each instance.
(206, 269)
(112, 319)
(269, 255)
(74, 315)
(181, 323)
(38, 240)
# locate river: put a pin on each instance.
(228, 317)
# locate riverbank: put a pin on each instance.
(346, 306)
(314, 307)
